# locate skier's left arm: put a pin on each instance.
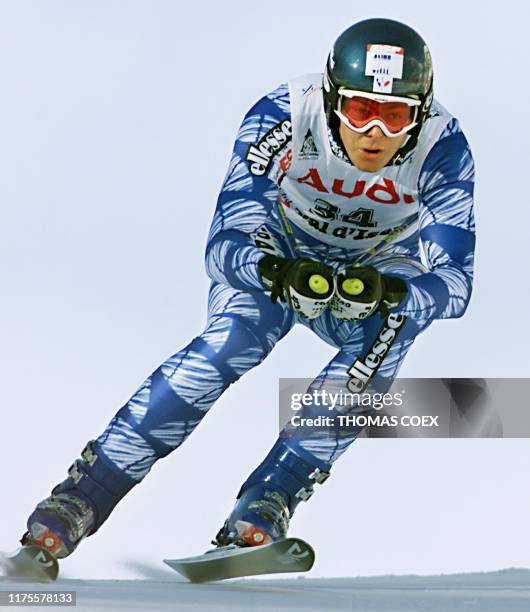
(447, 231)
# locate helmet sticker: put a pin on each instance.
(384, 63)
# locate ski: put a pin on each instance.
(288, 555)
(31, 562)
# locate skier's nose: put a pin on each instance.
(375, 132)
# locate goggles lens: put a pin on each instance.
(359, 111)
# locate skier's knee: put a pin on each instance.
(240, 335)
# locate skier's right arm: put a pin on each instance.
(247, 197)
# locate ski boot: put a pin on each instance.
(59, 523)
(267, 500)
(78, 506)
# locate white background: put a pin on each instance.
(116, 124)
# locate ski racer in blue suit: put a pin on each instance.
(348, 208)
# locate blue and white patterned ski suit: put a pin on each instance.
(275, 159)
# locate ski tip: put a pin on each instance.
(31, 562)
(300, 551)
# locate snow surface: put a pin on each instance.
(506, 591)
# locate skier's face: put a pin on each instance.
(372, 150)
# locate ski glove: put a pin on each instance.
(306, 285)
(362, 291)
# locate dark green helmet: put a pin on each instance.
(354, 63)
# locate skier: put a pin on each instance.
(359, 164)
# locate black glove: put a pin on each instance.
(395, 291)
(362, 291)
(306, 285)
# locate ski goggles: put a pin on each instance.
(361, 111)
